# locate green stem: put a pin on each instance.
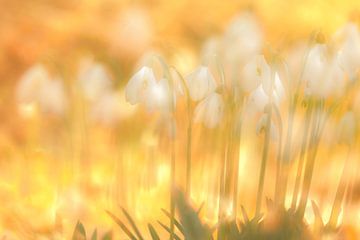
(308, 119)
(340, 192)
(265, 156)
(309, 167)
(188, 152)
(278, 162)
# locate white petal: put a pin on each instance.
(158, 96)
(52, 97)
(94, 80)
(27, 90)
(255, 72)
(200, 83)
(210, 110)
(135, 90)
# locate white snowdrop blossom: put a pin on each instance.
(262, 124)
(323, 74)
(258, 99)
(139, 84)
(94, 80)
(27, 90)
(210, 110)
(158, 96)
(200, 83)
(37, 87)
(349, 51)
(52, 98)
(255, 72)
(243, 38)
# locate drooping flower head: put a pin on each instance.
(94, 80)
(255, 72)
(37, 87)
(323, 74)
(210, 110)
(200, 83)
(349, 50)
(139, 84)
(28, 87)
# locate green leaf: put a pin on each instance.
(176, 222)
(132, 223)
(79, 232)
(153, 232)
(94, 235)
(107, 236)
(122, 226)
(169, 231)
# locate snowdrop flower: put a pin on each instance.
(94, 80)
(158, 96)
(322, 73)
(27, 89)
(52, 98)
(107, 110)
(36, 87)
(262, 124)
(139, 84)
(349, 51)
(200, 83)
(258, 99)
(154, 94)
(255, 72)
(347, 128)
(210, 110)
(243, 38)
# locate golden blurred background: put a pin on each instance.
(59, 33)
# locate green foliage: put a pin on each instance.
(80, 233)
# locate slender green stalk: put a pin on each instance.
(172, 142)
(308, 119)
(188, 151)
(265, 156)
(340, 192)
(279, 159)
(309, 167)
(189, 134)
(285, 158)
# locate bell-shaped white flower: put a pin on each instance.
(200, 83)
(210, 110)
(349, 50)
(52, 98)
(158, 96)
(243, 38)
(347, 128)
(262, 124)
(255, 72)
(322, 73)
(27, 90)
(37, 87)
(94, 80)
(260, 97)
(139, 84)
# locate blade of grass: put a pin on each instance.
(153, 232)
(122, 226)
(176, 222)
(169, 230)
(132, 223)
